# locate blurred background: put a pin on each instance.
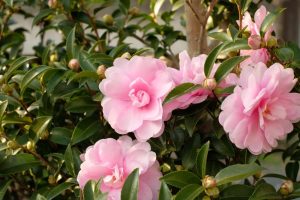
(287, 27)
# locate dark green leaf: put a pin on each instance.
(264, 191)
(131, 186)
(88, 191)
(57, 190)
(18, 163)
(189, 192)
(239, 44)
(69, 161)
(269, 20)
(164, 192)
(181, 90)
(60, 135)
(81, 105)
(40, 124)
(42, 14)
(3, 106)
(126, 3)
(181, 179)
(202, 160)
(291, 170)
(236, 172)
(237, 191)
(3, 187)
(285, 54)
(227, 66)
(119, 50)
(190, 123)
(70, 43)
(16, 64)
(85, 129)
(31, 75)
(220, 36)
(211, 59)
(84, 74)
(245, 5)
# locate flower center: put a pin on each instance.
(116, 179)
(139, 98)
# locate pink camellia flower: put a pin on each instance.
(113, 160)
(192, 71)
(262, 108)
(133, 94)
(256, 56)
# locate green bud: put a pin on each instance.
(166, 167)
(12, 144)
(272, 42)
(286, 187)
(209, 182)
(108, 19)
(213, 192)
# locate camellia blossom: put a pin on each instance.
(262, 108)
(256, 54)
(192, 71)
(133, 94)
(113, 160)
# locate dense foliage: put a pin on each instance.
(50, 103)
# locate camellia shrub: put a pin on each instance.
(110, 111)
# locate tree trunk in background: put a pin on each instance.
(196, 32)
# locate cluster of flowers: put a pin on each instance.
(259, 112)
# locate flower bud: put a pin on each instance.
(210, 83)
(101, 71)
(51, 180)
(126, 55)
(134, 11)
(7, 89)
(272, 42)
(12, 144)
(254, 42)
(45, 135)
(209, 182)
(108, 19)
(165, 167)
(213, 192)
(258, 175)
(206, 198)
(53, 57)
(286, 187)
(30, 145)
(52, 3)
(74, 64)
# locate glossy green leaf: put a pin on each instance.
(181, 90)
(70, 43)
(201, 160)
(222, 36)
(3, 188)
(181, 179)
(227, 66)
(239, 44)
(14, 65)
(119, 50)
(236, 172)
(41, 15)
(85, 63)
(164, 192)
(291, 170)
(269, 20)
(60, 135)
(31, 75)
(17, 163)
(245, 5)
(81, 105)
(40, 124)
(285, 54)
(88, 192)
(69, 161)
(241, 192)
(3, 106)
(84, 74)
(45, 55)
(85, 129)
(57, 190)
(190, 123)
(189, 192)
(265, 191)
(211, 58)
(131, 186)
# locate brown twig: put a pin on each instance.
(193, 10)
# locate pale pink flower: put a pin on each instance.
(192, 71)
(113, 160)
(254, 26)
(262, 108)
(133, 94)
(256, 56)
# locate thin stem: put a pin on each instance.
(193, 10)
